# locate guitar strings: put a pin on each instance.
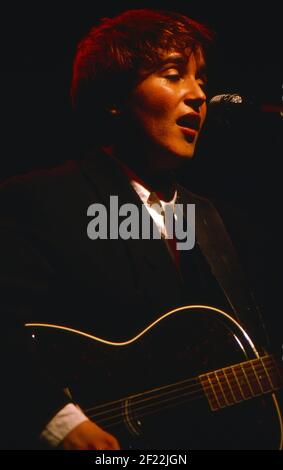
(152, 405)
(106, 424)
(174, 388)
(186, 381)
(192, 395)
(193, 391)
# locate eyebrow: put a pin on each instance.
(202, 71)
(176, 58)
(179, 59)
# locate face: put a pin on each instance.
(168, 106)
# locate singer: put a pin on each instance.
(138, 92)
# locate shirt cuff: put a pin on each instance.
(63, 422)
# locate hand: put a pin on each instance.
(89, 436)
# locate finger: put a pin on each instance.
(116, 445)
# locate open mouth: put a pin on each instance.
(189, 125)
(189, 134)
(190, 122)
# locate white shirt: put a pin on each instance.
(71, 415)
(150, 200)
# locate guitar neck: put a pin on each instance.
(222, 388)
(240, 382)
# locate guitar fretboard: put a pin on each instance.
(233, 384)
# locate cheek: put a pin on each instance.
(156, 102)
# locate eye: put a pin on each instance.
(202, 83)
(173, 77)
(172, 74)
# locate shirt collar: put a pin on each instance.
(150, 198)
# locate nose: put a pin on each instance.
(195, 96)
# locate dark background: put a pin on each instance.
(237, 164)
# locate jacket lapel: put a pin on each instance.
(219, 252)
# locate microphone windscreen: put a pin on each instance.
(226, 99)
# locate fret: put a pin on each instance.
(257, 377)
(225, 387)
(262, 376)
(215, 387)
(235, 384)
(253, 380)
(266, 371)
(242, 382)
(229, 383)
(244, 372)
(221, 395)
(274, 372)
(209, 392)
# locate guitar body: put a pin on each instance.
(147, 391)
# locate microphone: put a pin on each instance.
(226, 99)
(229, 102)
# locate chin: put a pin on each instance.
(185, 155)
(188, 155)
(184, 152)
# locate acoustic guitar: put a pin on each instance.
(192, 379)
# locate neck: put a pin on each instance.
(160, 181)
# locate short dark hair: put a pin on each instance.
(109, 57)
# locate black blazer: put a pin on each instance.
(51, 271)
